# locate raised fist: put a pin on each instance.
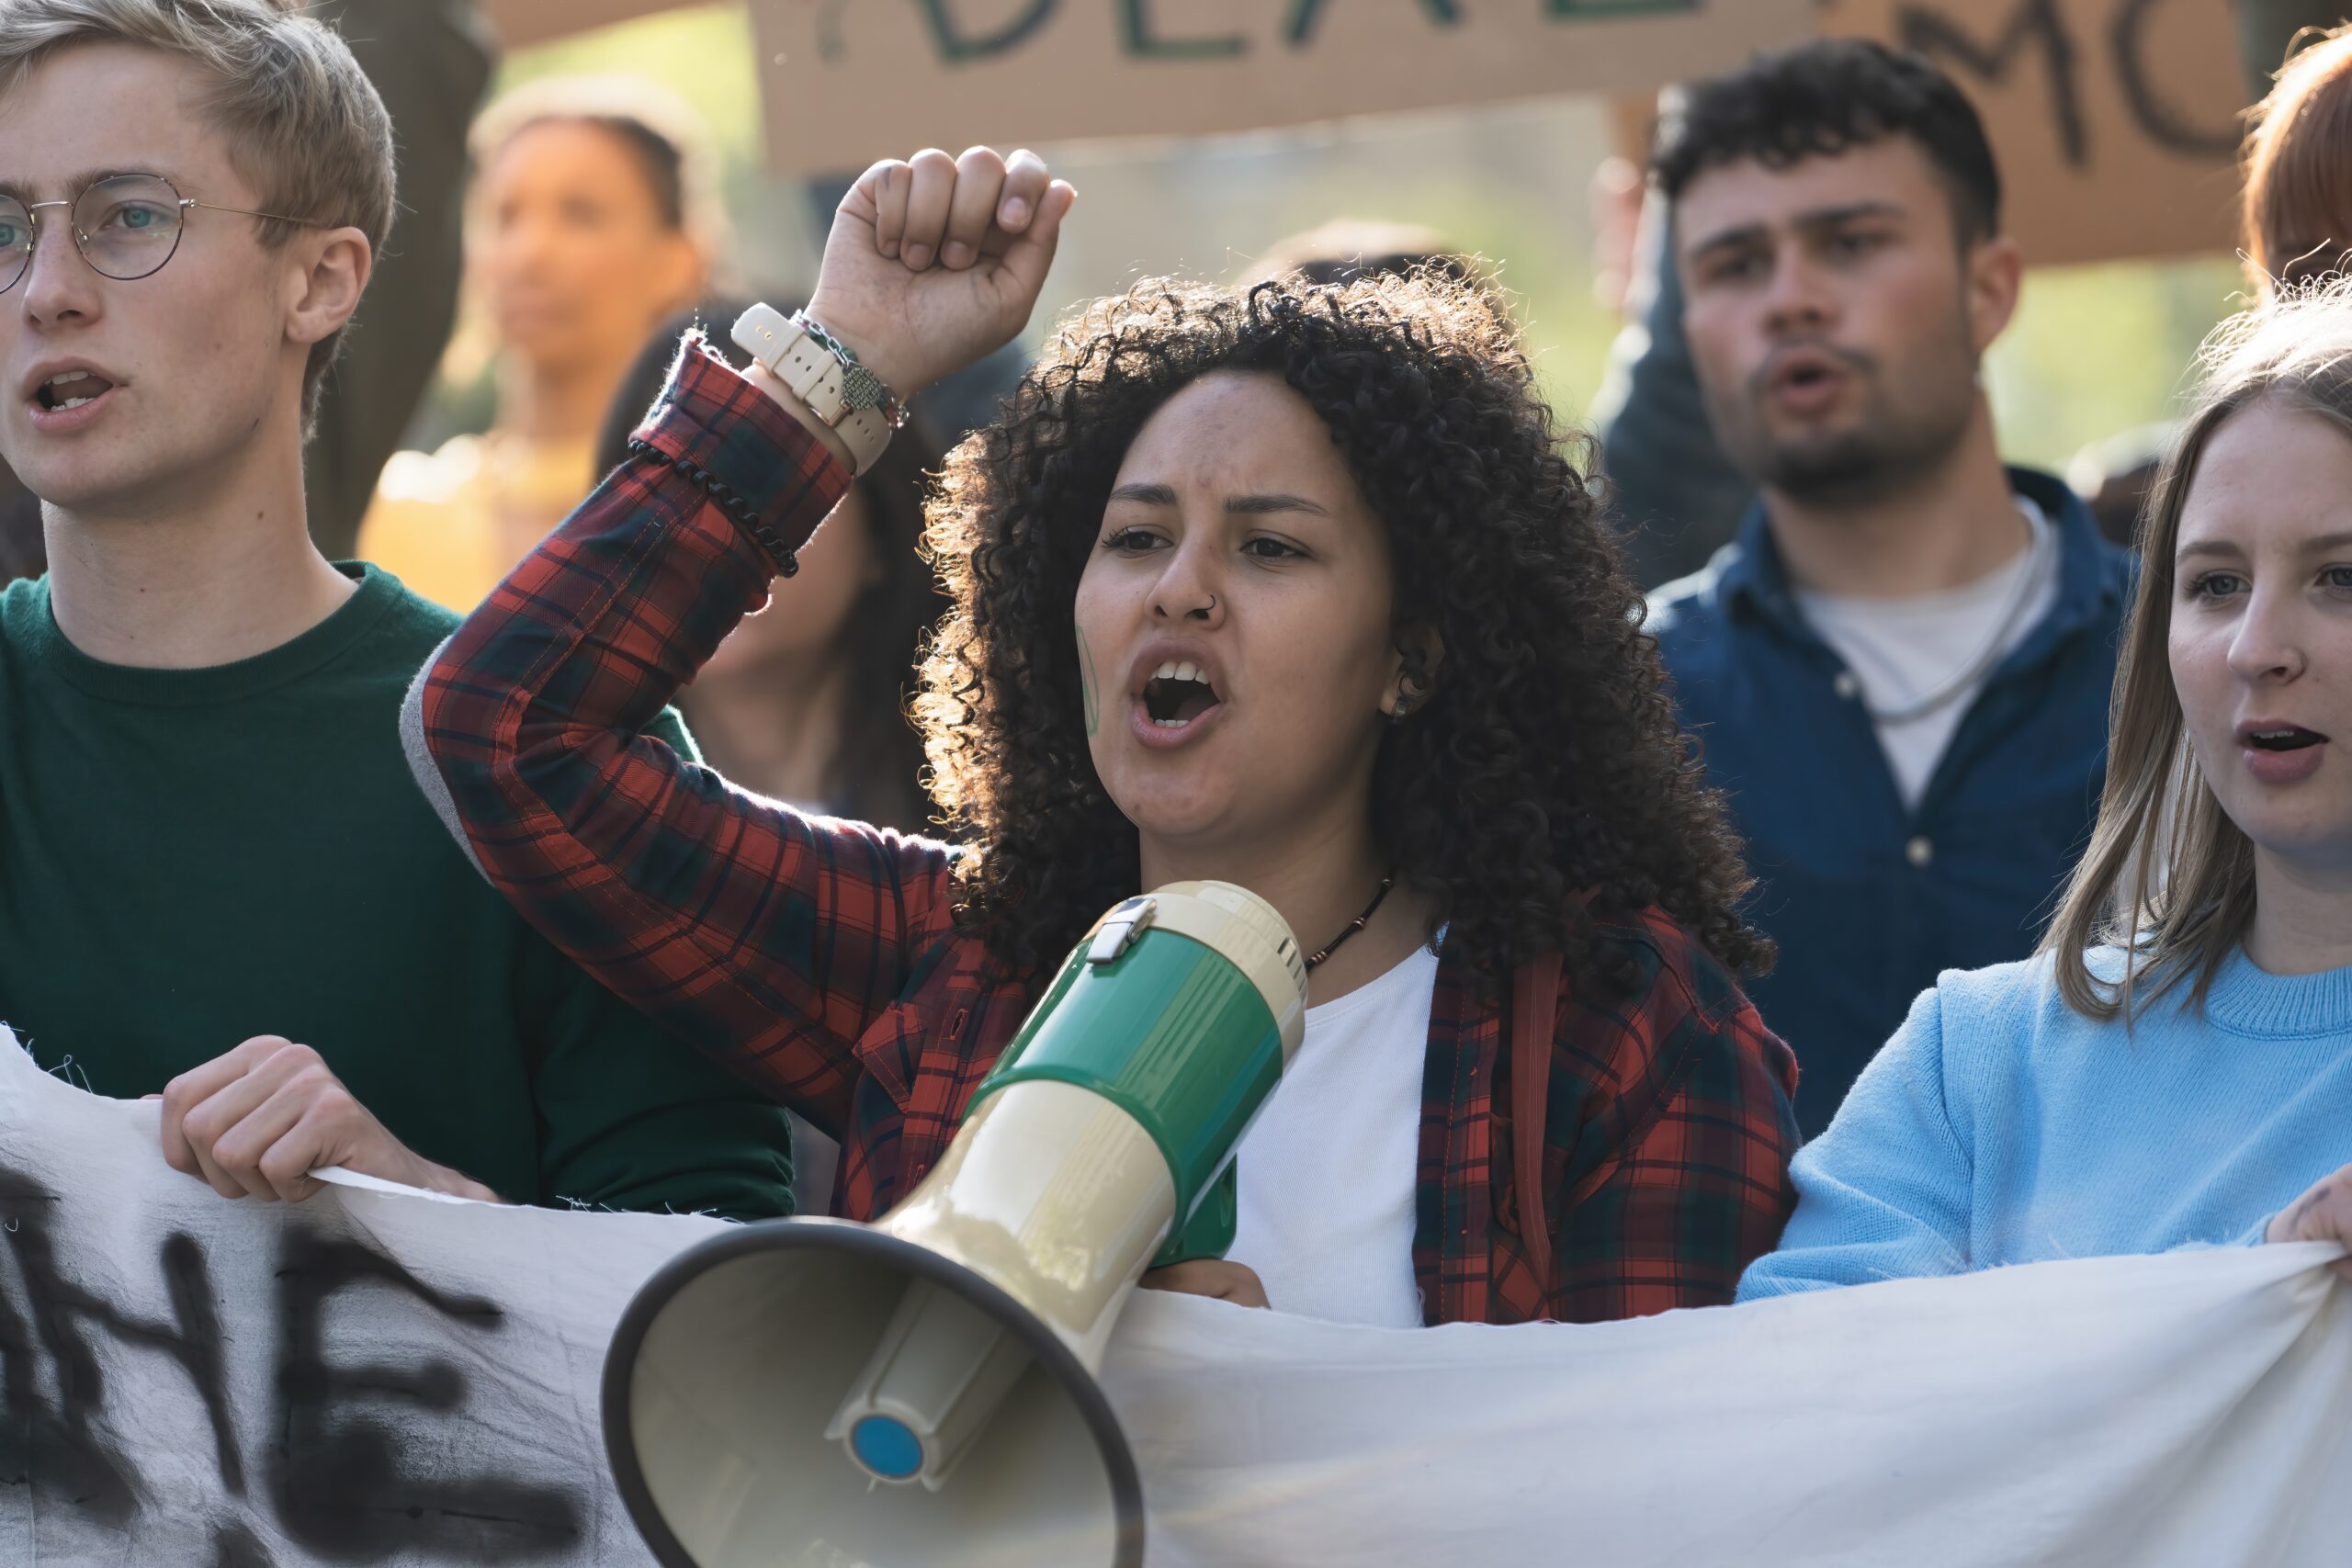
(936, 261)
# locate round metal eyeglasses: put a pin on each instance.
(126, 226)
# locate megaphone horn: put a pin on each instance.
(920, 1392)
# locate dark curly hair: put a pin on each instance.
(1817, 99)
(1542, 781)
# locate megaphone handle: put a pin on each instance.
(1209, 1233)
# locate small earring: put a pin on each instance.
(1398, 714)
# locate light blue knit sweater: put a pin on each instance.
(1999, 1126)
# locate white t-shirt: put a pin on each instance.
(1329, 1169)
(1901, 651)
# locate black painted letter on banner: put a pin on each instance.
(65, 1454)
(338, 1480)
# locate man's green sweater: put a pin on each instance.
(190, 858)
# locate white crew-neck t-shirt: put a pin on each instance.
(1900, 650)
(1327, 1173)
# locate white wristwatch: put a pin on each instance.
(850, 398)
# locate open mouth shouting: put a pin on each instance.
(65, 397)
(1806, 380)
(2277, 752)
(1175, 695)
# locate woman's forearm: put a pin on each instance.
(699, 904)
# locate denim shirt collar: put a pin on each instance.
(1751, 579)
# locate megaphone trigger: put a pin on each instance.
(1209, 1233)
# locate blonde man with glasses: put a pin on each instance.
(220, 884)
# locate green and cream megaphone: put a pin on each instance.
(920, 1392)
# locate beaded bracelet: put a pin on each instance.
(739, 511)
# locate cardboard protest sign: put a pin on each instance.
(845, 85)
(388, 1378)
(2116, 122)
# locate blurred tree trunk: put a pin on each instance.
(431, 62)
(23, 552)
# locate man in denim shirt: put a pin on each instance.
(1899, 670)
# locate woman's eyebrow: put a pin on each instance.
(1238, 505)
(1253, 505)
(2224, 549)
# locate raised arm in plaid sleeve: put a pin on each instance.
(769, 937)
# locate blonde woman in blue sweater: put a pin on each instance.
(2174, 1068)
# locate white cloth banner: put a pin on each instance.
(380, 1377)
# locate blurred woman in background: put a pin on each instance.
(595, 216)
(808, 704)
(807, 700)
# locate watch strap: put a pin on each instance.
(866, 431)
(850, 400)
(785, 348)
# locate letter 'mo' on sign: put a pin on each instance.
(2115, 121)
(849, 81)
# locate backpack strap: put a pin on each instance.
(1534, 1008)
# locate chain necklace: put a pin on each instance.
(1355, 925)
(2041, 555)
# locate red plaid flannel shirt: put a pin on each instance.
(821, 960)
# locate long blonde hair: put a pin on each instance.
(2168, 878)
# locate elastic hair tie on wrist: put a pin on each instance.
(738, 512)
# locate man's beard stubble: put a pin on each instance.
(1887, 449)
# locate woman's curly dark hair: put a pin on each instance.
(1541, 781)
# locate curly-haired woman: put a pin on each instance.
(1295, 591)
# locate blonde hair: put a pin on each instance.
(304, 123)
(2169, 877)
(2297, 218)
